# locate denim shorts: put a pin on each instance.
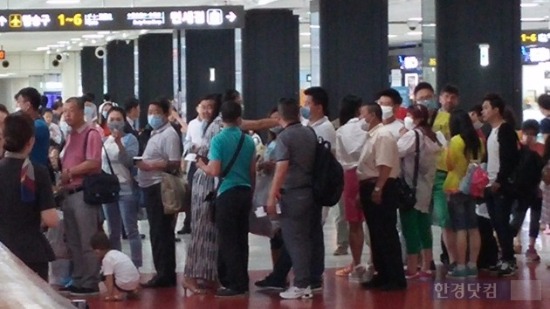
(462, 211)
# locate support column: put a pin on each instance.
(271, 60)
(120, 70)
(354, 49)
(206, 50)
(92, 73)
(156, 65)
(461, 27)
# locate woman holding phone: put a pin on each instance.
(121, 148)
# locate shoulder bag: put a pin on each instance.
(406, 195)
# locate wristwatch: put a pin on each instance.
(376, 189)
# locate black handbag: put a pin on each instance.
(213, 195)
(405, 194)
(101, 188)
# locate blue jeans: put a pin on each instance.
(126, 210)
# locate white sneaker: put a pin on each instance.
(359, 274)
(296, 293)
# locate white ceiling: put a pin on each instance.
(399, 11)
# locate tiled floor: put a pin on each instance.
(338, 292)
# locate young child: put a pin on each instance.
(117, 270)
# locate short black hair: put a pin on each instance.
(544, 101)
(422, 86)
(47, 110)
(231, 112)
(89, 97)
(18, 130)
(289, 110)
(319, 96)
(106, 97)
(130, 104)
(392, 94)
(478, 108)
(375, 109)
(117, 109)
(496, 101)
(100, 241)
(231, 95)
(58, 104)
(531, 125)
(79, 101)
(450, 89)
(164, 105)
(45, 101)
(349, 108)
(32, 95)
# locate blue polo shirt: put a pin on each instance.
(223, 147)
(39, 153)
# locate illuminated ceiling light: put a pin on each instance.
(62, 1)
(415, 19)
(429, 25)
(93, 36)
(529, 5)
(43, 48)
(76, 39)
(143, 31)
(306, 45)
(534, 19)
(414, 33)
(305, 33)
(390, 36)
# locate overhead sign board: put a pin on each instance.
(137, 18)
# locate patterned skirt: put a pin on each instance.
(202, 254)
(545, 213)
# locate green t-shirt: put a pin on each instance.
(223, 147)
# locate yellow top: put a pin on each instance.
(457, 163)
(441, 123)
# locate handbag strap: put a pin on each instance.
(416, 160)
(103, 145)
(229, 166)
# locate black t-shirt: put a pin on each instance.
(20, 222)
(545, 126)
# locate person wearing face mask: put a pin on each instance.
(162, 154)
(105, 108)
(28, 102)
(377, 171)
(121, 148)
(416, 223)
(390, 100)
(476, 116)
(90, 109)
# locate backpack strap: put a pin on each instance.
(229, 166)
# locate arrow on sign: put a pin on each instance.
(3, 21)
(231, 17)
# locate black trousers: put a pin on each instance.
(232, 213)
(382, 221)
(499, 206)
(41, 269)
(488, 253)
(161, 233)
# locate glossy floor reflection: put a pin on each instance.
(532, 282)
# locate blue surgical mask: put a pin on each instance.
(89, 113)
(65, 128)
(305, 112)
(430, 104)
(270, 149)
(155, 121)
(116, 126)
(105, 114)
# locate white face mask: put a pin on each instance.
(409, 123)
(365, 125)
(478, 125)
(387, 112)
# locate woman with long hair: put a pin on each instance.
(202, 254)
(416, 223)
(465, 147)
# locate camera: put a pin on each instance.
(412, 24)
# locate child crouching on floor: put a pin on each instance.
(118, 272)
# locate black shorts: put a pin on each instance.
(462, 211)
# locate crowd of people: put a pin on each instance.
(469, 171)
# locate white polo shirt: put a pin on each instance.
(164, 145)
(350, 139)
(380, 149)
(195, 131)
(324, 128)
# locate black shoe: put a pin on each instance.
(269, 283)
(375, 283)
(67, 289)
(158, 282)
(184, 230)
(84, 292)
(225, 292)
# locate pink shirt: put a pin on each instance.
(75, 154)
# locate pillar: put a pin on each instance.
(120, 70)
(91, 73)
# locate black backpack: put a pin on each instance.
(328, 175)
(528, 173)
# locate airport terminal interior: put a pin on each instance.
(177, 57)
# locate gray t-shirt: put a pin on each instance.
(297, 144)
